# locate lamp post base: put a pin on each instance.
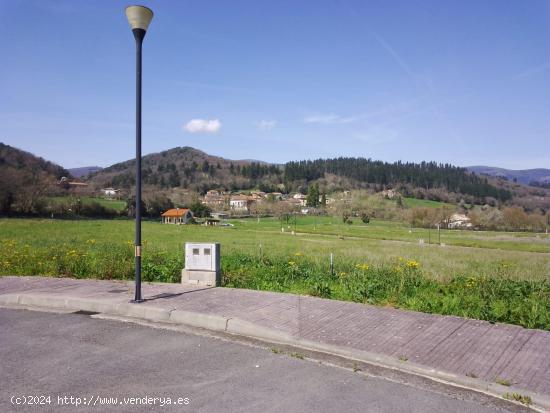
(137, 301)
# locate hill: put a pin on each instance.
(198, 171)
(192, 169)
(539, 176)
(419, 180)
(25, 179)
(84, 171)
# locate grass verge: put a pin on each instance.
(399, 284)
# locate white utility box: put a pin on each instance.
(202, 264)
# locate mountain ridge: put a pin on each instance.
(524, 176)
(83, 171)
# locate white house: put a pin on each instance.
(239, 203)
(302, 198)
(110, 192)
(459, 221)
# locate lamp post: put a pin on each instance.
(139, 18)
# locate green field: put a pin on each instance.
(425, 203)
(114, 204)
(490, 275)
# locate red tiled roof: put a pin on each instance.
(175, 212)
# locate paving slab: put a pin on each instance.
(446, 346)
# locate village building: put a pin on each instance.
(64, 182)
(457, 221)
(215, 199)
(110, 192)
(258, 196)
(177, 216)
(240, 203)
(293, 203)
(301, 198)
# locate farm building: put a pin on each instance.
(177, 216)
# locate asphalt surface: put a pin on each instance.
(95, 361)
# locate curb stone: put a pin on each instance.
(201, 320)
(245, 328)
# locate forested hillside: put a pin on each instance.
(195, 170)
(427, 175)
(192, 169)
(24, 179)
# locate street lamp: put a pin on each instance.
(139, 18)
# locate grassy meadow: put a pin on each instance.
(114, 204)
(495, 276)
(425, 203)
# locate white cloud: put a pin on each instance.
(265, 125)
(329, 119)
(203, 126)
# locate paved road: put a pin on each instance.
(80, 356)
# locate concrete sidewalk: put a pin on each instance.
(470, 353)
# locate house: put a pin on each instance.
(459, 221)
(64, 182)
(240, 203)
(110, 192)
(301, 198)
(177, 216)
(293, 203)
(258, 196)
(214, 199)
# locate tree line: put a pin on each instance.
(426, 175)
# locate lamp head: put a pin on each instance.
(139, 17)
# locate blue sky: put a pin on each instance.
(466, 82)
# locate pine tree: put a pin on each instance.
(312, 199)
